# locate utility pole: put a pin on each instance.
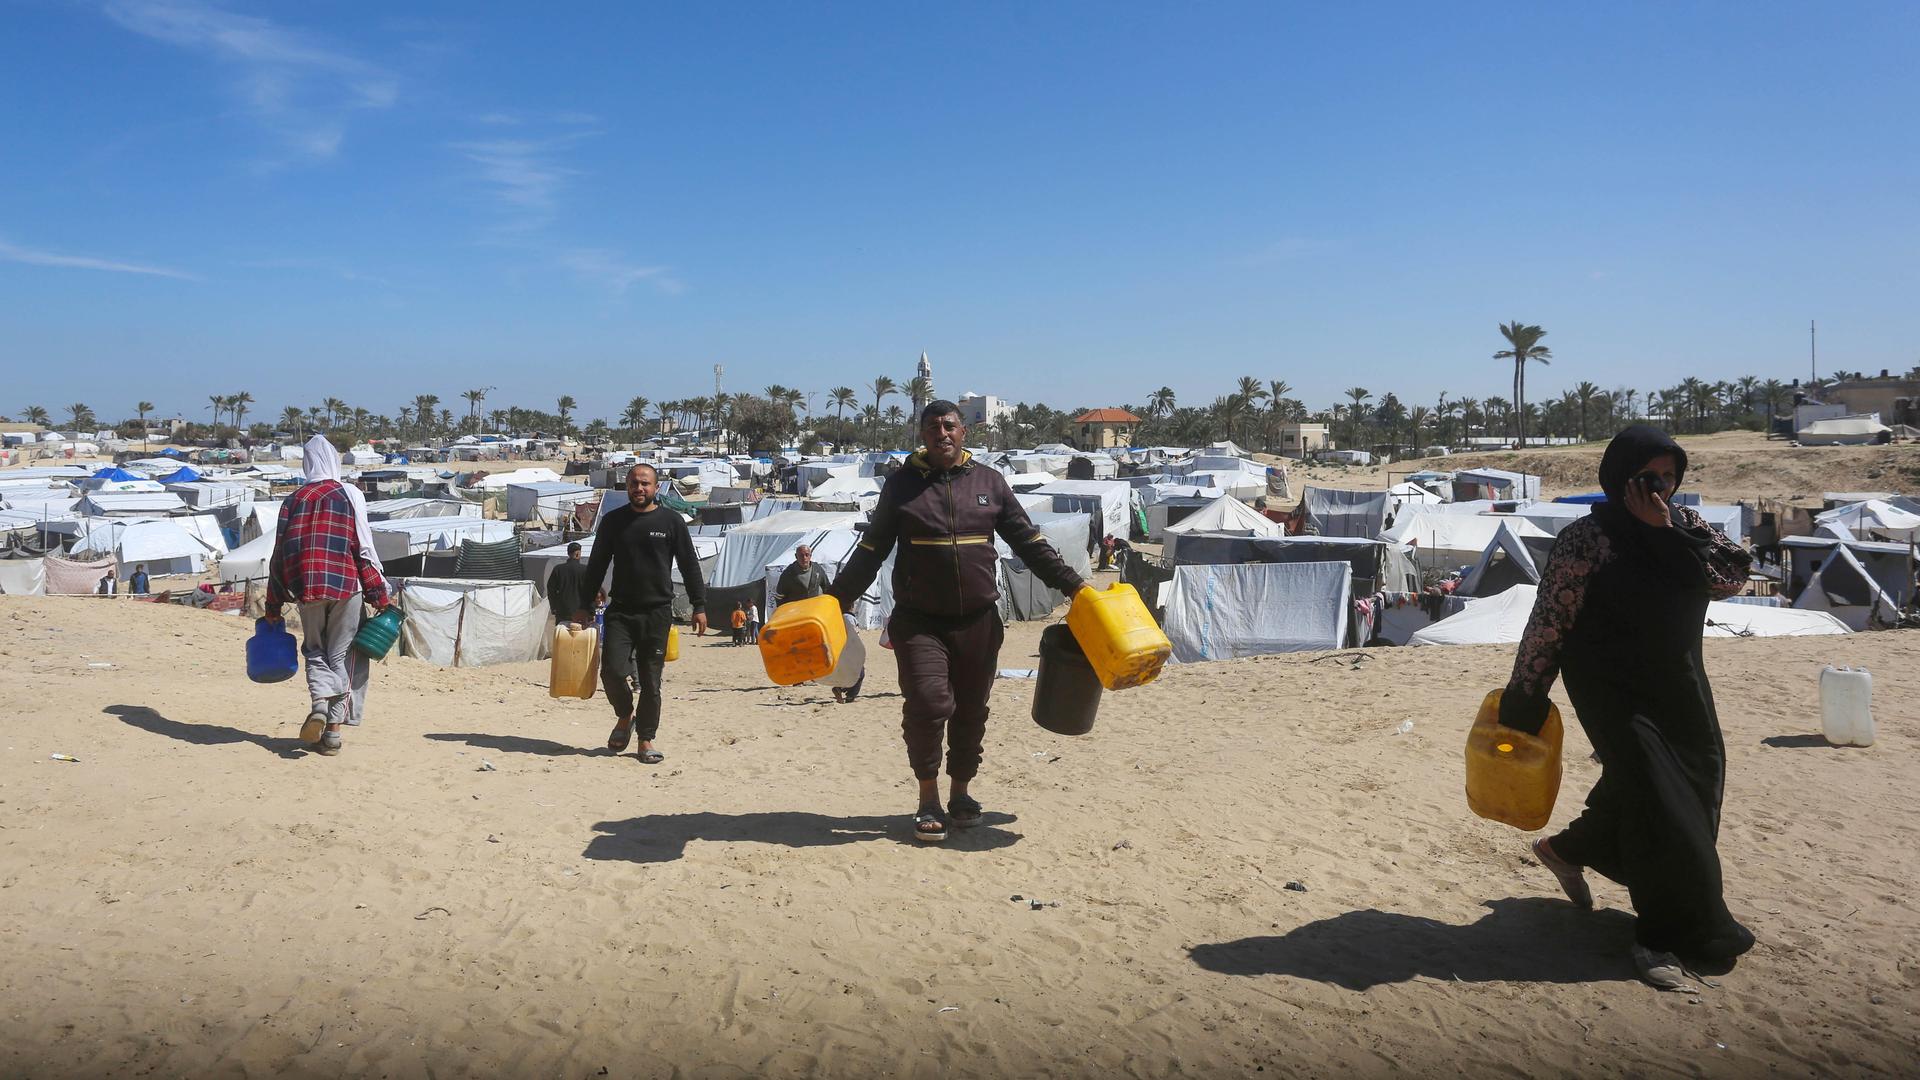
(717, 372)
(1813, 355)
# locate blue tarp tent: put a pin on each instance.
(182, 475)
(1584, 500)
(168, 451)
(114, 473)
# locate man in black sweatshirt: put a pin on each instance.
(641, 540)
(943, 509)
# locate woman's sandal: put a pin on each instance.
(652, 757)
(965, 811)
(621, 736)
(929, 826)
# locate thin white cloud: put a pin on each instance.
(294, 86)
(611, 270)
(32, 257)
(526, 176)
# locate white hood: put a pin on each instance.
(319, 460)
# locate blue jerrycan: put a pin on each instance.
(272, 654)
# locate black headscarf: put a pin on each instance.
(1626, 456)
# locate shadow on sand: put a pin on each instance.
(518, 744)
(664, 837)
(1793, 742)
(203, 734)
(1520, 940)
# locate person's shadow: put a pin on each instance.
(518, 744)
(1532, 939)
(664, 837)
(202, 734)
(1796, 742)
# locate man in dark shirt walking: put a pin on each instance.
(943, 509)
(568, 590)
(641, 541)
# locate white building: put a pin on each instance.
(982, 408)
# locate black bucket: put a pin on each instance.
(1066, 694)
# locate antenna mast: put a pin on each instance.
(1813, 364)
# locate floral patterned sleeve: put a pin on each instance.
(1581, 548)
(1727, 562)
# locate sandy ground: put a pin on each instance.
(198, 896)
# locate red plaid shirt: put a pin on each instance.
(317, 556)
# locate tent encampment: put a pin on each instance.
(1502, 619)
(1504, 564)
(1338, 512)
(454, 623)
(1252, 609)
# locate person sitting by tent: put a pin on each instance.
(323, 560)
(943, 508)
(1620, 611)
(138, 583)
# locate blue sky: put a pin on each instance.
(1059, 202)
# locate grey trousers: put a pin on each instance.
(336, 674)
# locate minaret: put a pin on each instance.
(925, 371)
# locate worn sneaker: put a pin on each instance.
(1661, 970)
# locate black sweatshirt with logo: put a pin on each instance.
(642, 547)
(944, 521)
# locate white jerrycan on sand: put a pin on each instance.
(852, 662)
(1846, 705)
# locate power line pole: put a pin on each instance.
(1813, 352)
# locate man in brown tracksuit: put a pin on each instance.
(944, 509)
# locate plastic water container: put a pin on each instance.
(272, 654)
(1118, 634)
(1513, 777)
(1066, 692)
(1846, 705)
(802, 641)
(573, 672)
(852, 663)
(377, 635)
(673, 643)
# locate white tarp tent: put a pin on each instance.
(1116, 500)
(416, 536)
(1446, 540)
(23, 577)
(1874, 519)
(500, 481)
(1502, 619)
(1250, 609)
(148, 503)
(1844, 431)
(453, 623)
(401, 509)
(545, 502)
(162, 546)
(249, 560)
(1504, 564)
(1220, 516)
(1843, 587)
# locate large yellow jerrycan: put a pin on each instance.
(1118, 634)
(573, 671)
(1513, 777)
(673, 644)
(803, 639)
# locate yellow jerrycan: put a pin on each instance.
(1118, 634)
(1513, 777)
(673, 643)
(573, 671)
(803, 639)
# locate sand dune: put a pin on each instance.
(198, 896)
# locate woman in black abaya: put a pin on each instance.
(1620, 612)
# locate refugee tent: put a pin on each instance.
(1844, 431)
(202, 495)
(1502, 619)
(248, 562)
(454, 623)
(500, 481)
(23, 577)
(1410, 494)
(1444, 541)
(1113, 500)
(849, 492)
(831, 553)
(1335, 512)
(185, 474)
(415, 536)
(1252, 609)
(1092, 467)
(164, 546)
(404, 509)
(545, 502)
(1843, 587)
(1344, 457)
(1224, 517)
(1874, 519)
(146, 504)
(1494, 484)
(1551, 517)
(1504, 564)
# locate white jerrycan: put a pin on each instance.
(1846, 705)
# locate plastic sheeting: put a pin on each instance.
(1252, 609)
(1338, 512)
(67, 577)
(24, 577)
(453, 623)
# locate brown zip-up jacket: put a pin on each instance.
(945, 521)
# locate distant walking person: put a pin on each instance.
(568, 590)
(753, 623)
(323, 560)
(805, 579)
(642, 541)
(1622, 603)
(139, 584)
(943, 509)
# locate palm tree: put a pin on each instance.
(1228, 409)
(1500, 407)
(1523, 343)
(896, 417)
(423, 410)
(881, 387)
(217, 403)
(1773, 394)
(563, 407)
(919, 391)
(1359, 394)
(636, 414)
(238, 405)
(1160, 402)
(843, 398)
(1417, 418)
(361, 419)
(142, 409)
(37, 414)
(292, 418)
(498, 419)
(1468, 408)
(82, 415)
(313, 416)
(1584, 396)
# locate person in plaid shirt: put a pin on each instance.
(323, 560)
